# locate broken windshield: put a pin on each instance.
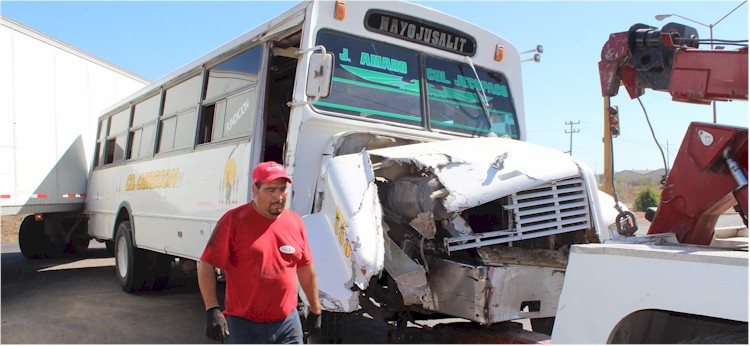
(379, 81)
(454, 95)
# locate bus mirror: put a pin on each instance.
(319, 75)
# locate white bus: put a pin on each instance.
(402, 128)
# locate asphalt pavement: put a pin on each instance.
(77, 300)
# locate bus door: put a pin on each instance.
(282, 68)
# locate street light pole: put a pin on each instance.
(710, 27)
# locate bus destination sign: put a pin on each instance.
(420, 31)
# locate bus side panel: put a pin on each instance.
(176, 201)
(102, 201)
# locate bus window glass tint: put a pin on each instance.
(454, 99)
(233, 74)
(373, 80)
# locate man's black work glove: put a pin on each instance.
(216, 324)
(313, 323)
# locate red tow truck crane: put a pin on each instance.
(710, 171)
(676, 284)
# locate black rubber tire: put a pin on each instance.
(31, 238)
(139, 269)
(78, 245)
(129, 262)
(158, 271)
(735, 336)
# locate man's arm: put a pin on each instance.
(309, 283)
(207, 284)
(216, 323)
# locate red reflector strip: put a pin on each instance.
(74, 195)
(39, 195)
(4, 196)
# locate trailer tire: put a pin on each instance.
(129, 261)
(31, 238)
(78, 245)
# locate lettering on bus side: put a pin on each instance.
(340, 231)
(420, 31)
(237, 116)
(162, 179)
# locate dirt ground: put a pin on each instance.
(9, 226)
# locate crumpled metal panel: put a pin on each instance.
(491, 294)
(478, 170)
(352, 186)
(346, 234)
(410, 277)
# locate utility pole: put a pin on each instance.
(572, 131)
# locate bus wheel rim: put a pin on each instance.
(122, 258)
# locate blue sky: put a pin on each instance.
(152, 39)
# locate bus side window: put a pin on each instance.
(102, 134)
(179, 115)
(117, 136)
(206, 125)
(230, 98)
(142, 132)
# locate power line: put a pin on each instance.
(572, 131)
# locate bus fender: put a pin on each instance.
(346, 235)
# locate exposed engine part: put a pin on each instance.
(410, 196)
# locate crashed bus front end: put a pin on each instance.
(474, 228)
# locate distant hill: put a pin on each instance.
(636, 177)
(630, 182)
(640, 174)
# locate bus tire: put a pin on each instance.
(129, 261)
(158, 271)
(31, 238)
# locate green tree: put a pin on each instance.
(648, 197)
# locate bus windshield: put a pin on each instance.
(380, 81)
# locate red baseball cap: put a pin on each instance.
(266, 172)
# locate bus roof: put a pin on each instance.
(288, 19)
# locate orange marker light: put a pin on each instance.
(499, 52)
(340, 11)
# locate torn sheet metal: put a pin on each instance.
(351, 195)
(478, 170)
(410, 277)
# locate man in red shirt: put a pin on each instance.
(263, 250)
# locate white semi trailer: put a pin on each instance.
(50, 97)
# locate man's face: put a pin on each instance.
(270, 198)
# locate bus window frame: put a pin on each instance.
(139, 128)
(178, 112)
(111, 139)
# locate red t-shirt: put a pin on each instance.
(259, 257)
